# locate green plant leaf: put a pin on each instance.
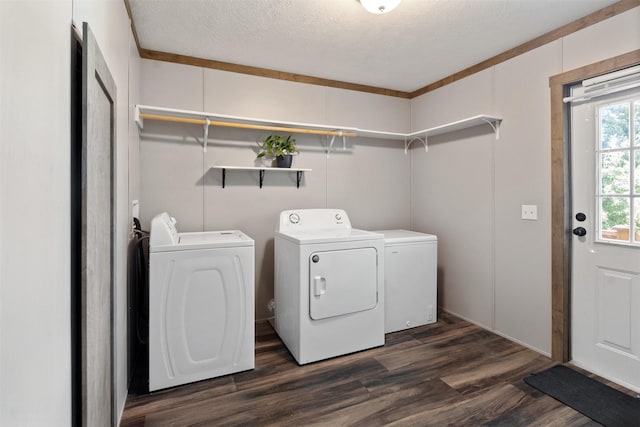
(276, 146)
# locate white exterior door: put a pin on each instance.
(605, 292)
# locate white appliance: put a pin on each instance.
(410, 279)
(201, 304)
(329, 285)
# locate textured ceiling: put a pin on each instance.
(418, 43)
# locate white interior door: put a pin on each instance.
(605, 152)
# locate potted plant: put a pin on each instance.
(279, 147)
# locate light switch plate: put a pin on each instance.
(530, 212)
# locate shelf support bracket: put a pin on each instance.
(224, 176)
(495, 125)
(136, 118)
(207, 122)
(298, 178)
(261, 177)
(333, 139)
(424, 141)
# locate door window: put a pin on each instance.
(618, 163)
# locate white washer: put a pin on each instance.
(329, 285)
(410, 279)
(201, 304)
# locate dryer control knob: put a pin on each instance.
(315, 258)
(294, 218)
(338, 216)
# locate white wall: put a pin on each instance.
(134, 135)
(35, 361)
(370, 180)
(523, 176)
(495, 268)
(450, 187)
(110, 25)
(35, 75)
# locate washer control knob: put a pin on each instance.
(294, 218)
(315, 258)
(338, 216)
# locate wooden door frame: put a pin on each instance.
(561, 210)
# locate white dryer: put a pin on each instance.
(201, 304)
(329, 285)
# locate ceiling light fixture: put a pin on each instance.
(379, 6)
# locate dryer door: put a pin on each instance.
(342, 282)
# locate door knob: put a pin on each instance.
(580, 231)
(581, 216)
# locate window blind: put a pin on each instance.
(607, 84)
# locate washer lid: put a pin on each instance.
(205, 240)
(304, 237)
(405, 236)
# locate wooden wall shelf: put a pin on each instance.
(145, 112)
(261, 171)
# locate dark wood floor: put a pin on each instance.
(448, 373)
